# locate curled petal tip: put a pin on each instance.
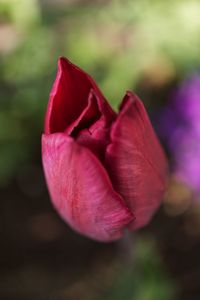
(64, 62)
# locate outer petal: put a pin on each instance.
(81, 190)
(135, 161)
(69, 97)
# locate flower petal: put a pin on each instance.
(88, 116)
(69, 97)
(92, 133)
(135, 161)
(81, 190)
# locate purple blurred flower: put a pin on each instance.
(179, 128)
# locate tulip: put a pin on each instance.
(105, 172)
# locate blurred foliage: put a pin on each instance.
(23, 13)
(145, 278)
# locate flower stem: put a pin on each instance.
(126, 249)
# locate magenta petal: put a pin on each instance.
(81, 190)
(69, 97)
(88, 116)
(90, 132)
(135, 161)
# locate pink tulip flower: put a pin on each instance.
(106, 172)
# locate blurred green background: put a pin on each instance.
(143, 45)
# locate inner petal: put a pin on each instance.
(88, 116)
(69, 100)
(92, 127)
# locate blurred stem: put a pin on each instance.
(126, 249)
